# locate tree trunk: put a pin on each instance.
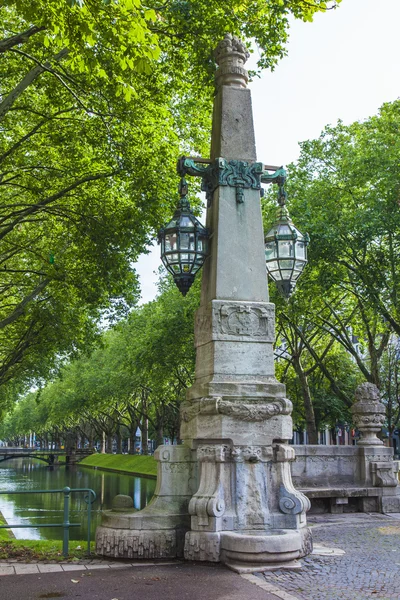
(109, 443)
(145, 436)
(312, 431)
(132, 440)
(119, 440)
(160, 436)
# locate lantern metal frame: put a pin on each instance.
(184, 243)
(285, 268)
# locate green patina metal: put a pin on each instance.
(89, 499)
(183, 243)
(239, 174)
(234, 173)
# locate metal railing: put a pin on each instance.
(89, 499)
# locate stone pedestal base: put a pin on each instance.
(139, 544)
(157, 531)
(250, 551)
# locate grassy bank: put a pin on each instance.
(126, 463)
(5, 534)
(34, 550)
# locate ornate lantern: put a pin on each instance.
(183, 243)
(285, 248)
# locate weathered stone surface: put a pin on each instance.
(368, 473)
(368, 414)
(158, 530)
(240, 506)
(122, 503)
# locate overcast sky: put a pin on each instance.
(344, 65)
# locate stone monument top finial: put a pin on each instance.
(368, 414)
(231, 54)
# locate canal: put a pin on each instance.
(36, 509)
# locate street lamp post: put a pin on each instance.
(226, 493)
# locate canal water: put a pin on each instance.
(36, 509)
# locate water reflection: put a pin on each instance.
(31, 474)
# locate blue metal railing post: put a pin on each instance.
(66, 491)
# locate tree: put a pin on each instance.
(98, 99)
(345, 191)
(136, 377)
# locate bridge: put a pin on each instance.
(49, 455)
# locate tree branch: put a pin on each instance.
(19, 38)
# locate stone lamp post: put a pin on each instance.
(226, 494)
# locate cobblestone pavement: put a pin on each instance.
(369, 568)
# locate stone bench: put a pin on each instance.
(336, 478)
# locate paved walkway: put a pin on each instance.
(357, 557)
(369, 567)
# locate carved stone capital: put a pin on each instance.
(251, 454)
(213, 453)
(284, 453)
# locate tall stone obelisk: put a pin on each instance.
(226, 493)
(246, 511)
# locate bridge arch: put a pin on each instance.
(50, 459)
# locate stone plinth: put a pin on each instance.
(157, 531)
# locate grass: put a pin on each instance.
(39, 550)
(5, 534)
(142, 465)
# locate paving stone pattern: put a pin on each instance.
(369, 569)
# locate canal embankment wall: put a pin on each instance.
(127, 464)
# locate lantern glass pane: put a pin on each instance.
(176, 268)
(299, 265)
(285, 249)
(273, 265)
(170, 242)
(287, 264)
(185, 221)
(191, 241)
(300, 250)
(284, 230)
(184, 241)
(270, 250)
(286, 274)
(174, 258)
(200, 245)
(185, 268)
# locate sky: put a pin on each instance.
(344, 65)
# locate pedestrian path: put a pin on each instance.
(15, 567)
(356, 557)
